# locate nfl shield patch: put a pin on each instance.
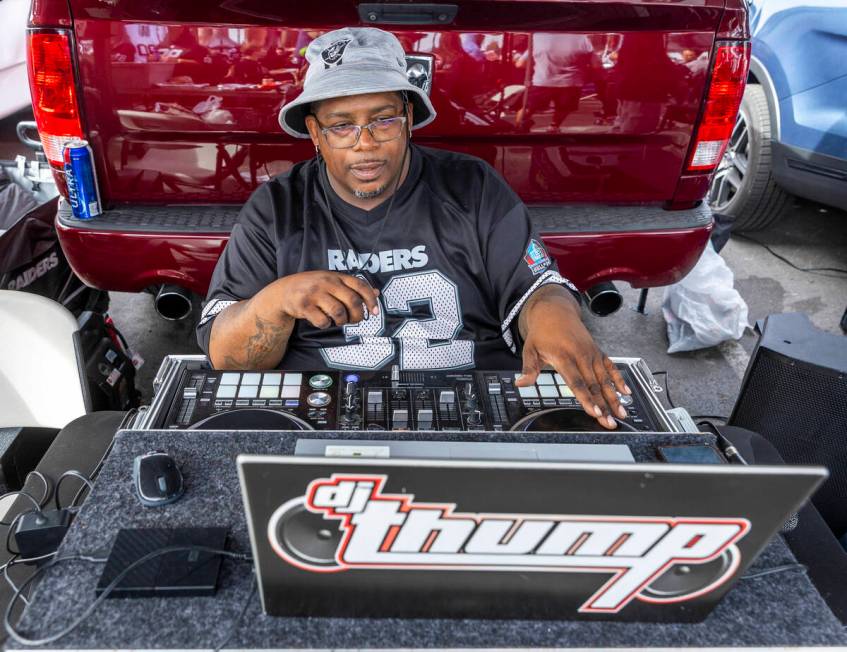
(536, 257)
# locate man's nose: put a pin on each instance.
(366, 141)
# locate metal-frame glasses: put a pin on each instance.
(346, 136)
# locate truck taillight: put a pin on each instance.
(729, 77)
(53, 88)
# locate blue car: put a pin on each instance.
(791, 134)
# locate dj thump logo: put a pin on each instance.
(394, 531)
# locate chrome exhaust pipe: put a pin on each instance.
(603, 299)
(173, 302)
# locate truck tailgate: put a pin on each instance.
(574, 101)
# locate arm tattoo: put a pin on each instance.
(268, 340)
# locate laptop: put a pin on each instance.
(497, 538)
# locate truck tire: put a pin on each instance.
(743, 187)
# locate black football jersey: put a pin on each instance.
(454, 260)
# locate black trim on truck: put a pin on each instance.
(559, 218)
(597, 218)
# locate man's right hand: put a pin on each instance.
(325, 298)
(253, 334)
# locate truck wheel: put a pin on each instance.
(743, 187)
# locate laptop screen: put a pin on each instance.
(496, 538)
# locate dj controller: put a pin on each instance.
(191, 395)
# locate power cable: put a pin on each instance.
(75, 474)
(775, 570)
(810, 270)
(23, 640)
(237, 622)
(667, 386)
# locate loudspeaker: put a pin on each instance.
(794, 394)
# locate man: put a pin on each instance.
(559, 65)
(380, 252)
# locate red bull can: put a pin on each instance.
(83, 192)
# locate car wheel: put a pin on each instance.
(743, 187)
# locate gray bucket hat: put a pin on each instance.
(353, 61)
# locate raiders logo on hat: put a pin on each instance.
(332, 54)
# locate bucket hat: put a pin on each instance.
(353, 61)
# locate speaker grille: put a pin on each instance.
(802, 410)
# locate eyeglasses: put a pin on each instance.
(346, 136)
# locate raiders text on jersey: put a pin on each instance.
(380, 261)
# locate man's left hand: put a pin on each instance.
(554, 335)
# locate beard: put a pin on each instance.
(370, 194)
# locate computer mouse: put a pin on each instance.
(157, 479)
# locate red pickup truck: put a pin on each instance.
(606, 116)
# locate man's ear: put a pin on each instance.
(313, 129)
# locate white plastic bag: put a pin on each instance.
(703, 309)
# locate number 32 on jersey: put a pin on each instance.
(424, 343)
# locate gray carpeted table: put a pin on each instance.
(774, 610)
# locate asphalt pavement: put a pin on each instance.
(706, 382)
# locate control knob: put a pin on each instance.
(625, 399)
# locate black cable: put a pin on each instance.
(15, 560)
(76, 497)
(708, 424)
(19, 591)
(19, 638)
(75, 474)
(710, 427)
(810, 270)
(29, 560)
(38, 505)
(774, 571)
(94, 473)
(47, 486)
(337, 229)
(667, 385)
(237, 622)
(9, 580)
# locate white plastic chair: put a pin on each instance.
(40, 380)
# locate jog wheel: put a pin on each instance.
(251, 419)
(683, 579)
(564, 419)
(308, 537)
